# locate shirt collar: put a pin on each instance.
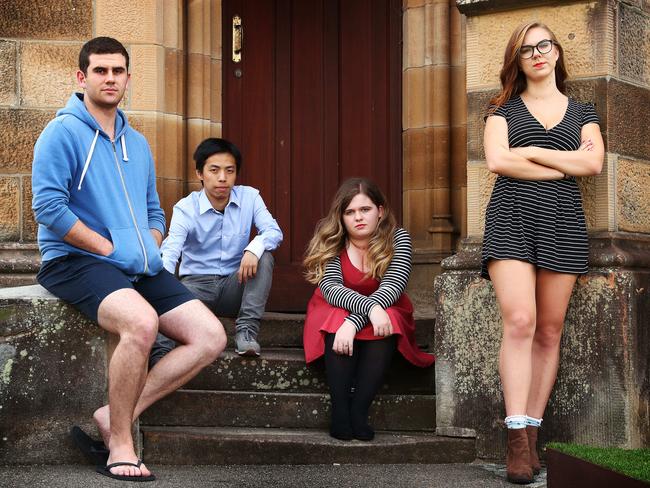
(205, 205)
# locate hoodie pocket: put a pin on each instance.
(154, 261)
(127, 252)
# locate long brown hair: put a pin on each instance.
(513, 80)
(330, 235)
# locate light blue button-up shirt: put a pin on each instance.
(212, 242)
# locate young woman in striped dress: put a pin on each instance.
(359, 314)
(537, 140)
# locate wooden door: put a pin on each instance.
(315, 99)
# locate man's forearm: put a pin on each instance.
(83, 237)
(157, 236)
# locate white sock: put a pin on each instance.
(516, 421)
(533, 421)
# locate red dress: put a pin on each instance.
(324, 318)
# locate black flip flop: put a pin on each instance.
(106, 471)
(95, 451)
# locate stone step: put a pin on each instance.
(285, 330)
(285, 370)
(219, 446)
(284, 410)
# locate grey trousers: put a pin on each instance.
(224, 295)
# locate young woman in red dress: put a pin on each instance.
(359, 314)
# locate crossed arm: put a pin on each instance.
(536, 163)
(372, 307)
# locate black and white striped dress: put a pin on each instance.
(541, 222)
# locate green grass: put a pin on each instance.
(634, 463)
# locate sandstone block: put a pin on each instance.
(628, 108)
(413, 31)
(19, 130)
(417, 214)
(417, 151)
(574, 25)
(174, 81)
(129, 21)
(9, 208)
(147, 84)
(199, 86)
(47, 74)
(215, 91)
(8, 73)
(173, 23)
(633, 195)
(634, 44)
(30, 227)
(47, 19)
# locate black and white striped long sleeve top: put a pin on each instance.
(391, 286)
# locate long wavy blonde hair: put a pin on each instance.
(513, 79)
(330, 235)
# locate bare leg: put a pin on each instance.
(125, 313)
(553, 294)
(201, 339)
(514, 284)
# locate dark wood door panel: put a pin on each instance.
(314, 104)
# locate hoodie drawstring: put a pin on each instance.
(125, 157)
(90, 155)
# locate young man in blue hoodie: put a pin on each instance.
(100, 228)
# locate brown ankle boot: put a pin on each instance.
(532, 447)
(518, 468)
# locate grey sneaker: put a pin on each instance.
(245, 344)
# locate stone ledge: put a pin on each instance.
(479, 7)
(52, 376)
(602, 395)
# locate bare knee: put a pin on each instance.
(519, 325)
(141, 331)
(548, 335)
(211, 341)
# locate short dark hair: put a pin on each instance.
(214, 145)
(101, 45)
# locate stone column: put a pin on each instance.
(602, 395)
(204, 78)
(432, 44)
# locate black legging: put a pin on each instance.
(366, 369)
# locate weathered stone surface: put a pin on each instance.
(284, 370)
(634, 44)
(602, 395)
(20, 258)
(8, 73)
(283, 410)
(47, 19)
(53, 376)
(147, 83)
(174, 81)
(186, 445)
(633, 195)
(19, 130)
(9, 209)
(129, 21)
(574, 24)
(30, 227)
(47, 74)
(628, 108)
(477, 105)
(172, 23)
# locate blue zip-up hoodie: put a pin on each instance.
(79, 174)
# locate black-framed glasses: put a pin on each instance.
(543, 47)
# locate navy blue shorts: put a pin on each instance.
(84, 281)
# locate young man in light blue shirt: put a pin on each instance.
(210, 232)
